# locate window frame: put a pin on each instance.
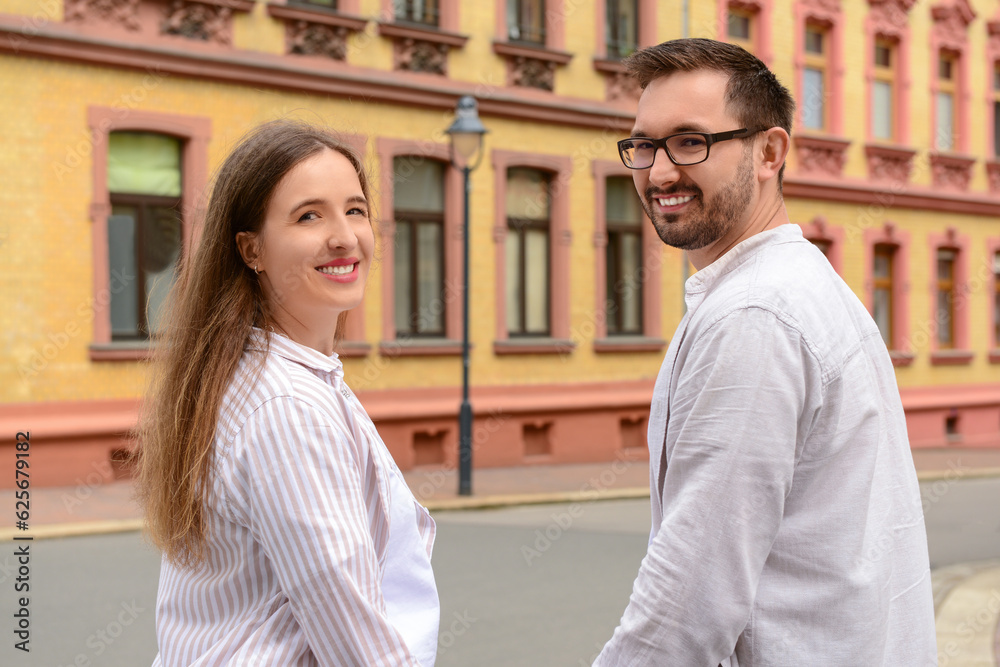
(522, 226)
(438, 15)
(949, 87)
(901, 349)
(819, 15)
(759, 12)
(890, 76)
(413, 219)
(560, 239)
(652, 270)
(143, 203)
(194, 132)
(388, 149)
(958, 354)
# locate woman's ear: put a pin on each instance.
(249, 248)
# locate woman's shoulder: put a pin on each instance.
(267, 384)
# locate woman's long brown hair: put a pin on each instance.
(214, 305)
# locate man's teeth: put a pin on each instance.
(674, 201)
(337, 270)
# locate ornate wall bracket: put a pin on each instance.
(993, 175)
(890, 18)
(820, 156)
(121, 12)
(619, 86)
(316, 32)
(530, 66)
(201, 20)
(419, 49)
(889, 164)
(951, 23)
(951, 172)
(204, 20)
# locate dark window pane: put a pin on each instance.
(430, 279)
(621, 27)
(124, 269)
(403, 278)
(161, 248)
(814, 41)
(424, 12)
(738, 26)
(526, 21)
(945, 68)
(883, 55)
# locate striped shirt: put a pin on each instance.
(306, 513)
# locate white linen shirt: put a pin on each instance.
(305, 513)
(787, 521)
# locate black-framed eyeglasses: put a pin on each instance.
(684, 149)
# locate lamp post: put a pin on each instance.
(466, 134)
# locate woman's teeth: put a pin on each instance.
(337, 270)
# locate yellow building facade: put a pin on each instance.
(117, 112)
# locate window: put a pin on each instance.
(814, 80)
(882, 291)
(740, 28)
(622, 27)
(996, 109)
(624, 257)
(526, 21)
(418, 251)
(823, 246)
(945, 316)
(883, 91)
(527, 252)
(424, 12)
(144, 229)
(944, 103)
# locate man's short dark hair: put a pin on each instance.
(753, 95)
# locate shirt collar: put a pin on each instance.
(283, 346)
(697, 286)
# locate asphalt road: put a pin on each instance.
(537, 585)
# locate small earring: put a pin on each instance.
(255, 269)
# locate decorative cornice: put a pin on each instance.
(318, 15)
(822, 10)
(398, 31)
(280, 73)
(509, 50)
(951, 172)
(889, 164)
(857, 192)
(824, 156)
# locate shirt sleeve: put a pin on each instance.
(747, 391)
(307, 496)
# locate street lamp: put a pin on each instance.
(466, 134)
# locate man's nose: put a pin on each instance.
(663, 171)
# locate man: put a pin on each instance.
(787, 525)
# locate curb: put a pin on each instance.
(73, 529)
(82, 528)
(492, 502)
(957, 474)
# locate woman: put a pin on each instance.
(288, 534)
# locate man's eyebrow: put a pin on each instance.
(687, 127)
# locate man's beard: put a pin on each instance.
(711, 221)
